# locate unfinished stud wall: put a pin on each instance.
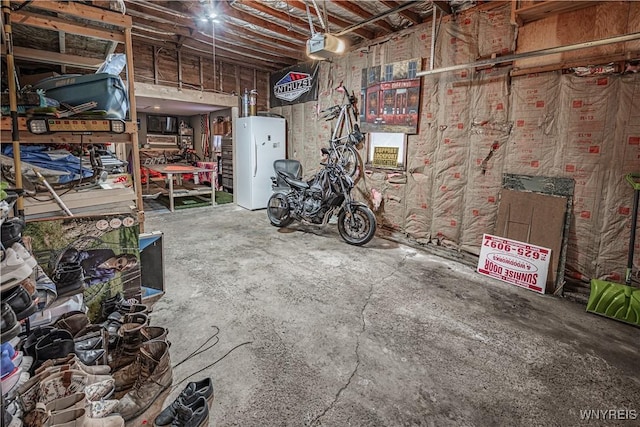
(476, 125)
(184, 68)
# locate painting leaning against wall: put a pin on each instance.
(97, 256)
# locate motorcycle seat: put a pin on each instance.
(296, 182)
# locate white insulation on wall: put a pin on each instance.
(477, 125)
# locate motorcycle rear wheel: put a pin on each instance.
(278, 210)
(359, 229)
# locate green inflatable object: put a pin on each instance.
(619, 302)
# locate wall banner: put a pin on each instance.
(294, 85)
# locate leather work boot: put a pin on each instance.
(115, 322)
(73, 321)
(75, 363)
(155, 376)
(118, 304)
(129, 340)
(126, 377)
(53, 344)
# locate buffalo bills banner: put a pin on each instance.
(294, 85)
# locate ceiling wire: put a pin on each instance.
(315, 5)
(311, 28)
(289, 15)
(213, 42)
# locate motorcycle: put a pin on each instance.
(315, 201)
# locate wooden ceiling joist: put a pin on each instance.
(64, 25)
(357, 10)
(411, 16)
(366, 34)
(80, 10)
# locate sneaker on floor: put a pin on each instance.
(11, 381)
(24, 254)
(9, 420)
(14, 270)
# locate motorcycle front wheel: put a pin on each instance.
(358, 229)
(278, 210)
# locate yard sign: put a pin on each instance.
(518, 263)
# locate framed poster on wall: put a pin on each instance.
(386, 150)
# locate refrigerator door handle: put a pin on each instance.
(255, 162)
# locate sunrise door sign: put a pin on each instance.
(518, 263)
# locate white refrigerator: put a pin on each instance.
(259, 142)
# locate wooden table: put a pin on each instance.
(179, 169)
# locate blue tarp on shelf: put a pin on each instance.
(59, 160)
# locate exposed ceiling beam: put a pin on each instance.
(374, 18)
(366, 34)
(59, 24)
(234, 55)
(263, 23)
(254, 33)
(411, 16)
(443, 6)
(273, 45)
(80, 10)
(223, 49)
(357, 10)
(142, 39)
(227, 43)
(256, 44)
(260, 7)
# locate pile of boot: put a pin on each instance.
(138, 356)
(51, 342)
(67, 392)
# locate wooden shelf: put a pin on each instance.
(533, 11)
(109, 28)
(81, 202)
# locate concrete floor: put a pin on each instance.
(312, 331)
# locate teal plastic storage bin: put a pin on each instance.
(107, 90)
